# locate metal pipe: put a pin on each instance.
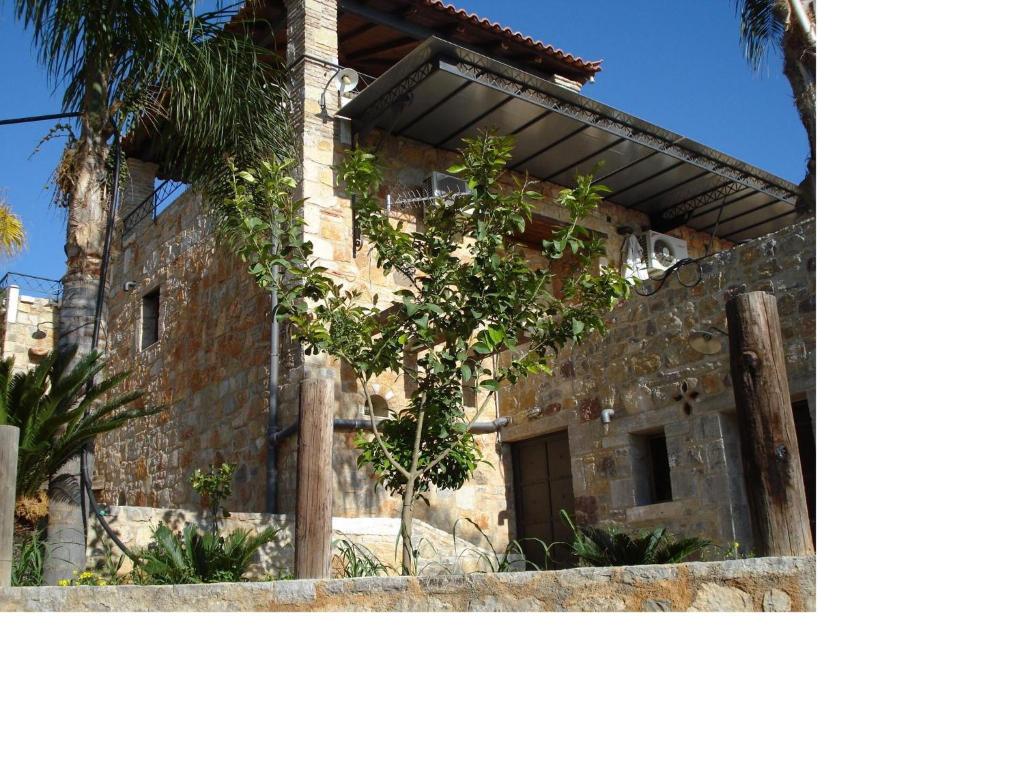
(350, 425)
(272, 389)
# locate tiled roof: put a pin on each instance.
(589, 67)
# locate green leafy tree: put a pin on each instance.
(788, 26)
(476, 311)
(214, 486)
(157, 66)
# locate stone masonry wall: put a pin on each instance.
(208, 369)
(438, 551)
(766, 584)
(210, 366)
(647, 371)
(27, 326)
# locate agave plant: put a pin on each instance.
(608, 546)
(194, 557)
(58, 414)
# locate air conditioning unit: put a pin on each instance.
(663, 251)
(444, 185)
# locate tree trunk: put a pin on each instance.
(771, 456)
(87, 209)
(408, 553)
(799, 65)
(314, 505)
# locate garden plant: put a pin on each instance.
(477, 312)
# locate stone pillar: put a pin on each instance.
(312, 58)
(138, 187)
(13, 296)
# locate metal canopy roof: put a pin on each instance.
(441, 93)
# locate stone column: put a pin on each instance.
(312, 60)
(138, 186)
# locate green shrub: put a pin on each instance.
(27, 566)
(214, 486)
(193, 557)
(609, 546)
(357, 560)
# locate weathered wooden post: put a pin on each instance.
(313, 508)
(771, 458)
(8, 477)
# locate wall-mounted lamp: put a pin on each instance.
(39, 333)
(706, 342)
(348, 81)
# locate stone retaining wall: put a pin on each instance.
(764, 584)
(439, 552)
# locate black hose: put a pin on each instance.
(84, 481)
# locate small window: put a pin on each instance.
(650, 468)
(377, 406)
(661, 482)
(151, 318)
(469, 396)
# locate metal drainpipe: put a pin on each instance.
(272, 390)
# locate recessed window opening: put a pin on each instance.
(651, 472)
(469, 396)
(151, 318)
(379, 407)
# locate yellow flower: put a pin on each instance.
(64, 583)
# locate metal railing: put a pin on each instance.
(33, 285)
(151, 207)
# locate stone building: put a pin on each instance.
(29, 318)
(634, 428)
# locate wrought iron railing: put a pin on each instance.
(151, 207)
(33, 285)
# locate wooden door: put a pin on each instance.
(543, 486)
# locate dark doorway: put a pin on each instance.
(542, 471)
(805, 442)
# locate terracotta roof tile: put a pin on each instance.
(589, 67)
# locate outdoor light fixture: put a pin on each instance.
(348, 81)
(705, 342)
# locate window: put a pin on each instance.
(469, 395)
(650, 468)
(151, 318)
(378, 406)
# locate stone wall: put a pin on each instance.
(647, 371)
(208, 368)
(439, 551)
(27, 326)
(766, 584)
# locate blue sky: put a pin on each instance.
(675, 63)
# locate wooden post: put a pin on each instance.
(8, 478)
(771, 458)
(313, 508)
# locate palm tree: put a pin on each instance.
(12, 231)
(788, 26)
(153, 66)
(57, 413)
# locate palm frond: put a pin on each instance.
(12, 231)
(761, 29)
(193, 556)
(58, 415)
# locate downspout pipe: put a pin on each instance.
(272, 389)
(351, 425)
